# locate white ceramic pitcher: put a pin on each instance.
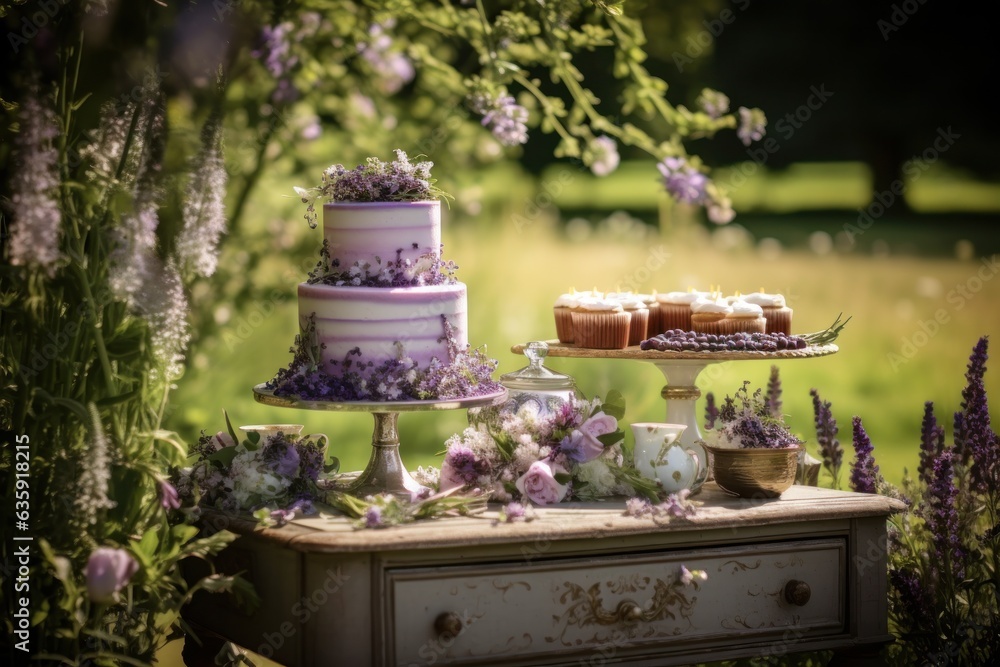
(659, 456)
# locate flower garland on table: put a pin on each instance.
(274, 477)
(522, 454)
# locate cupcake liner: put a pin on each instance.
(708, 323)
(675, 316)
(733, 325)
(601, 330)
(655, 324)
(638, 328)
(564, 324)
(778, 319)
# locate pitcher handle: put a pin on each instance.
(702, 460)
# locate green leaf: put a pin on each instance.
(252, 441)
(614, 404)
(563, 477)
(224, 457)
(229, 426)
(333, 466)
(610, 439)
(183, 533)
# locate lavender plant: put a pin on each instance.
(93, 337)
(831, 453)
(944, 549)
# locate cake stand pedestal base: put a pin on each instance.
(385, 472)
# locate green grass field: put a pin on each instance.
(915, 318)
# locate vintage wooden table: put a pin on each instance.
(580, 584)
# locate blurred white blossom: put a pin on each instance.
(36, 229)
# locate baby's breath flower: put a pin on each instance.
(36, 229)
(204, 210)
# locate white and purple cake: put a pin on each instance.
(382, 316)
(385, 293)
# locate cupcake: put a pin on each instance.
(674, 310)
(744, 316)
(601, 324)
(563, 309)
(638, 311)
(777, 314)
(708, 315)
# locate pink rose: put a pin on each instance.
(108, 571)
(222, 439)
(599, 424)
(539, 483)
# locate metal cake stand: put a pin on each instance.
(385, 472)
(681, 370)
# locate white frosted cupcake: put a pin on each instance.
(708, 315)
(563, 311)
(674, 310)
(777, 314)
(744, 316)
(601, 324)
(638, 311)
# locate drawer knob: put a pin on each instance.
(629, 612)
(448, 624)
(797, 592)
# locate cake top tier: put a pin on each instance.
(373, 181)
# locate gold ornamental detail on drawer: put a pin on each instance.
(670, 599)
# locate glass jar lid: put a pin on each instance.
(535, 376)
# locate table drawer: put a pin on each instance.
(580, 608)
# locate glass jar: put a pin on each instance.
(537, 384)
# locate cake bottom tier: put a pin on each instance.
(384, 323)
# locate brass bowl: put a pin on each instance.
(755, 473)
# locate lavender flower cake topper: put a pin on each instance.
(374, 181)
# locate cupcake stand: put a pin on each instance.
(385, 472)
(681, 370)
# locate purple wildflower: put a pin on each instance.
(676, 505)
(752, 125)
(688, 577)
(931, 443)
(514, 511)
(393, 68)
(917, 604)
(638, 507)
(282, 456)
(275, 50)
(169, 499)
(976, 441)
(503, 116)
(773, 398)
(683, 182)
(864, 474)
(164, 306)
(826, 435)
(373, 517)
(713, 103)
(37, 227)
(464, 465)
(942, 515)
(604, 156)
(711, 411)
